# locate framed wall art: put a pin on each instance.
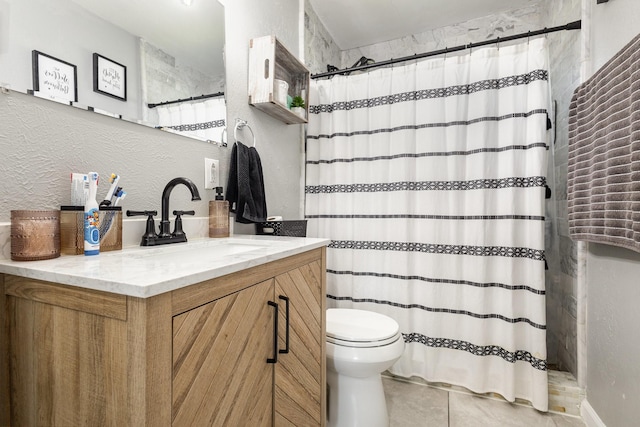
(54, 78)
(109, 77)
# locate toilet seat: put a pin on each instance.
(360, 328)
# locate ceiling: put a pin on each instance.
(357, 23)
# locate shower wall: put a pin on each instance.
(319, 48)
(565, 64)
(476, 30)
(561, 278)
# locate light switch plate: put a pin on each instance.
(211, 174)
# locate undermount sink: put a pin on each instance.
(214, 248)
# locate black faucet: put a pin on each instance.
(164, 221)
(150, 238)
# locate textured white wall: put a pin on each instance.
(613, 346)
(42, 142)
(280, 146)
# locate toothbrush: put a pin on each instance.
(114, 185)
(121, 194)
(105, 225)
(115, 194)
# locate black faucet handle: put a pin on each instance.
(142, 213)
(177, 232)
(178, 213)
(149, 235)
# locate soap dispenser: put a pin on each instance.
(219, 216)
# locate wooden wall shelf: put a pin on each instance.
(270, 60)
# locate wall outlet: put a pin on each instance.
(211, 174)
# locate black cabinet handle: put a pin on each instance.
(275, 334)
(286, 346)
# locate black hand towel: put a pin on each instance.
(245, 190)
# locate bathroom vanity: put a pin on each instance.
(212, 332)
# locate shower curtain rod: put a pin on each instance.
(575, 25)
(193, 98)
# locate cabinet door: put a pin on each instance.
(220, 370)
(299, 375)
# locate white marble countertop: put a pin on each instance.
(147, 271)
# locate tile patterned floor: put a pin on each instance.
(417, 405)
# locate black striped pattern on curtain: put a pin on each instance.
(429, 180)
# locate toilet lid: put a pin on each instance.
(360, 326)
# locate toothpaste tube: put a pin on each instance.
(79, 188)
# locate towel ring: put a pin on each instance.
(241, 124)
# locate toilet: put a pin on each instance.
(360, 346)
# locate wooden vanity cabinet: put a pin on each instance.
(196, 356)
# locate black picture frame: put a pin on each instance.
(54, 78)
(109, 77)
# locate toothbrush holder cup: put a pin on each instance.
(72, 229)
(35, 235)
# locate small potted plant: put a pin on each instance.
(297, 106)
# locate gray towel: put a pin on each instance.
(245, 188)
(603, 192)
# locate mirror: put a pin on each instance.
(126, 55)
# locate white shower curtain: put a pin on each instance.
(429, 179)
(202, 119)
